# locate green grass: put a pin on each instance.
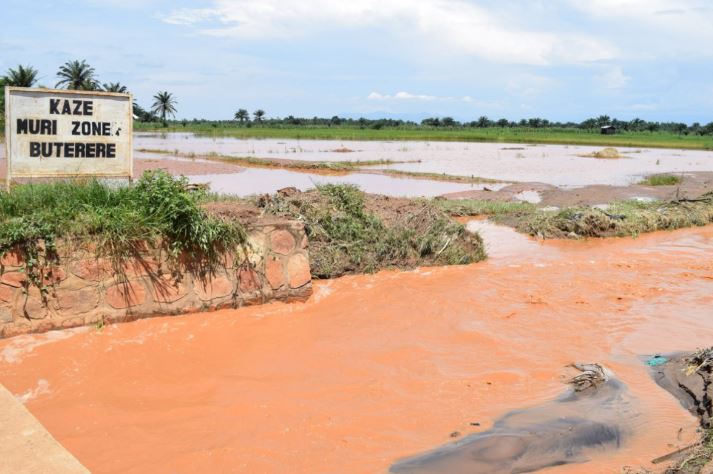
(661, 180)
(36, 219)
(493, 134)
(347, 236)
(482, 207)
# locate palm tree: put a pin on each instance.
(77, 75)
(23, 76)
(242, 115)
(164, 104)
(259, 114)
(115, 87)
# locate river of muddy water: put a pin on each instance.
(374, 369)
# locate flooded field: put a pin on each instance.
(375, 369)
(560, 165)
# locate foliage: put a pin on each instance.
(623, 218)
(242, 115)
(77, 75)
(482, 207)
(114, 87)
(164, 104)
(347, 237)
(23, 76)
(661, 180)
(157, 210)
(349, 129)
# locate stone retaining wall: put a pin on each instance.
(85, 290)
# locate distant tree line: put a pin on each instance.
(78, 75)
(591, 124)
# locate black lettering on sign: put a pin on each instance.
(54, 106)
(72, 150)
(71, 107)
(91, 128)
(34, 149)
(36, 127)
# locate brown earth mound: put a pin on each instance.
(353, 232)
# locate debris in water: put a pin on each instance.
(592, 375)
(656, 360)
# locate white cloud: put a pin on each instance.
(456, 26)
(405, 96)
(402, 96)
(614, 78)
(670, 27)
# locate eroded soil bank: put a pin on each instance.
(373, 369)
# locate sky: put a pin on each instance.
(558, 59)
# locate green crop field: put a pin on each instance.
(492, 134)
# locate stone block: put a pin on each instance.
(298, 272)
(282, 242)
(216, 287)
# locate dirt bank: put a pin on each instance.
(689, 378)
(692, 186)
(352, 232)
(375, 368)
(176, 167)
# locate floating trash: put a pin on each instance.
(656, 360)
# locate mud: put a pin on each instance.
(689, 378)
(565, 431)
(694, 185)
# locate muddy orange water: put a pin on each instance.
(376, 368)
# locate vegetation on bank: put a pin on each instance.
(619, 219)
(301, 165)
(661, 180)
(350, 232)
(117, 222)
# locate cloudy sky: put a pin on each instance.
(559, 59)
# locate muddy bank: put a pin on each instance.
(591, 418)
(352, 232)
(693, 185)
(144, 162)
(689, 378)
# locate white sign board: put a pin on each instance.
(62, 134)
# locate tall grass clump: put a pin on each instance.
(158, 210)
(662, 180)
(352, 233)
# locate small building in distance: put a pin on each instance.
(608, 130)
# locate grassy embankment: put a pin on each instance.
(622, 218)
(492, 134)
(350, 232)
(40, 220)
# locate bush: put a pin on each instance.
(157, 210)
(348, 234)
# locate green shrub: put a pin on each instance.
(157, 210)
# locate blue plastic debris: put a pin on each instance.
(656, 360)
